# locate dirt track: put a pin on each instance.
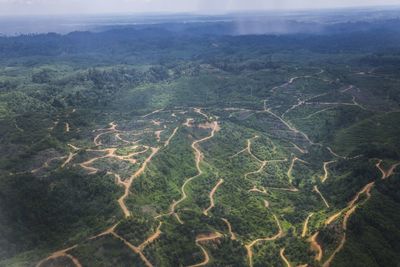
(171, 136)
(389, 172)
(305, 226)
(320, 194)
(326, 171)
(69, 159)
(263, 190)
(62, 253)
(151, 238)
(206, 238)
(46, 164)
(128, 184)
(211, 196)
(249, 247)
(285, 260)
(348, 211)
(233, 236)
(289, 172)
(111, 153)
(315, 246)
(262, 163)
(133, 249)
(198, 159)
(287, 124)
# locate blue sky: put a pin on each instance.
(12, 7)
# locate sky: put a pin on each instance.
(55, 7)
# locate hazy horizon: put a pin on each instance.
(99, 7)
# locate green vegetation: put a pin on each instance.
(176, 149)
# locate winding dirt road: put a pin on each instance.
(389, 172)
(198, 110)
(287, 124)
(305, 226)
(74, 147)
(262, 162)
(290, 170)
(285, 260)
(247, 149)
(315, 246)
(128, 184)
(284, 189)
(201, 239)
(171, 136)
(333, 218)
(198, 159)
(262, 166)
(62, 253)
(118, 136)
(151, 113)
(263, 190)
(317, 112)
(349, 210)
(291, 80)
(326, 171)
(300, 103)
(111, 153)
(211, 196)
(302, 151)
(106, 232)
(133, 249)
(151, 238)
(46, 164)
(334, 154)
(330, 259)
(232, 234)
(69, 159)
(320, 194)
(336, 104)
(111, 129)
(249, 247)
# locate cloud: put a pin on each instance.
(10, 7)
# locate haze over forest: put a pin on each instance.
(49, 7)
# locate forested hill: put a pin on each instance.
(190, 40)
